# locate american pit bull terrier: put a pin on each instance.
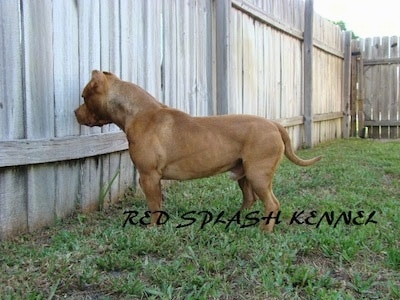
(165, 143)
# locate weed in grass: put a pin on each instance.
(393, 258)
(393, 289)
(360, 284)
(105, 189)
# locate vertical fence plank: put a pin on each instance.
(11, 87)
(13, 206)
(90, 58)
(260, 68)
(394, 94)
(190, 52)
(368, 77)
(169, 48)
(66, 67)
(127, 41)
(235, 89)
(89, 45)
(90, 184)
(223, 13)
(39, 86)
(153, 44)
(186, 19)
(66, 188)
(275, 74)
(205, 101)
(110, 190)
(109, 60)
(38, 53)
(376, 86)
(384, 112)
(179, 56)
(67, 98)
(249, 67)
(127, 172)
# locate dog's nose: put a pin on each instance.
(77, 114)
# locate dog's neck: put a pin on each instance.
(124, 107)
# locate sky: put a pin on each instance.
(366, 18)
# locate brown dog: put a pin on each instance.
(165, 143)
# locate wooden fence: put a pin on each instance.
(288, 63)
(376, 87)
(271, 58)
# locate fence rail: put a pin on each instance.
(30, 152)
(204, 57)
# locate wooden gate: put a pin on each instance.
(375, 98)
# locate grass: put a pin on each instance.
(94, 257)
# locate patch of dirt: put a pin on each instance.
(324, 265)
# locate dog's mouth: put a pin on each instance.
(84, 117)
(97, 123)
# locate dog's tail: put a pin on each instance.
(289, 153)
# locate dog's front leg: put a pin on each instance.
(151, 186)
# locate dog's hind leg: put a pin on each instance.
(151, 186)
(249, 196)
(272, 207)
(237, 173)
(260, 179)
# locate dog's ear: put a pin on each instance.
(97, 85)
(98, 79)
(95, 72)
(98, 75)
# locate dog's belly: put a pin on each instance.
(199, 168)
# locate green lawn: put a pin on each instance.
(338, 238)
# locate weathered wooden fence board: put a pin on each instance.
(37, 37)
(235, 95)
(13, 213)
(67, 179)
(13, 195)
(11, 116)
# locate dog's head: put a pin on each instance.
(93, 112)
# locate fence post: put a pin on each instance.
(308, 75)
(360, 97)
(346, 85)
(222, 40)
(355, 54)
